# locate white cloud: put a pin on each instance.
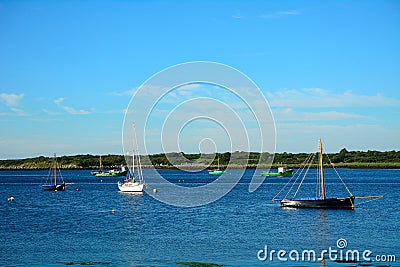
(189, 86)
(129, 92)
(289, 114)
(237, 16)
(344, 119)
(75, 111)
(59, 100)
(19, 112)
(69, 110)
(281, 13)
(11, 99)
(292, 12)
(298, 137)
(14, 112)
(317, 97)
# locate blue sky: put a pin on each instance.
(68, 69)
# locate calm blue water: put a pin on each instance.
(42, 228)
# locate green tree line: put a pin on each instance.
(344, 158)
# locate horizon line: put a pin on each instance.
(88, 154)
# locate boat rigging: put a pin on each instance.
(320, 200)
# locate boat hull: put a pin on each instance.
(328, 203)
(130, 187)
(110, 174)
(277, 174)
(52, 187)
(216, 172)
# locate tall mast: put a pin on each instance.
(322, 170)
(133, 148)
(55, 169)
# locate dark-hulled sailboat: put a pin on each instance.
(52, 185)
(320, 200)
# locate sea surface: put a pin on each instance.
(77, 226)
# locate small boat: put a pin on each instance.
(100, 168)
(52, 185)
(216, 171)
(133, 184)
(282, 172)
(320, 200)
(110, 173)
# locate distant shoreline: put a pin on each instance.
(369, 166)
(235, 160)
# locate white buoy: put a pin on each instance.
(11, 198)
(112, 211)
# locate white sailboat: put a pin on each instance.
(131, 183)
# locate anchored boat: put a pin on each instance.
(52, 184)
(282, 172)
(216, 171)
(110, 173)
(320, 200)
(131, 183)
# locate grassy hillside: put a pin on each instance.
(344, 158)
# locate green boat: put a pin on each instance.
(282, 172)
(217, 171)
(110, 173)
